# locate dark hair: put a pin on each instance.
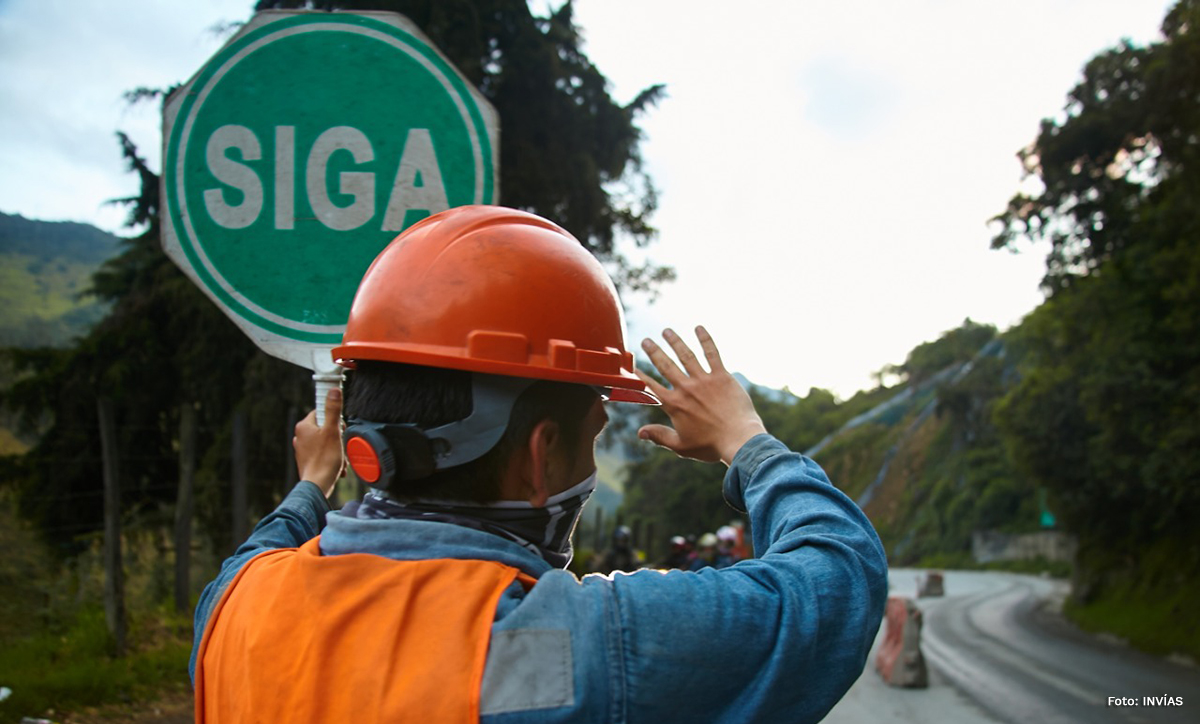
(388, 392)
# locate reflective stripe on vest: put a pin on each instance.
(300, 637)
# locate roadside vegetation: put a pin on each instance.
(56, 653)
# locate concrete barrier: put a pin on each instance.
(988, 546)
(899, 660)
(931, 584)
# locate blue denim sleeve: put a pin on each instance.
(780, 637)
(299, 518)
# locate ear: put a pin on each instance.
(543, 439)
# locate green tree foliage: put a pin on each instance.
(1105, 413)
(163, 344)
(1119, 161)
(568, 151)
(802, 422)
(678, 497)
(957, 345)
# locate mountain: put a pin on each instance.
(45, 269)
(784, 396)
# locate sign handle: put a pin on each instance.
(324, 383)
(326, 376)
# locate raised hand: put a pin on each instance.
(712, 415)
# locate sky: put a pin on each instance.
(827, 170)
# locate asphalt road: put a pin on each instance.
(998, 650)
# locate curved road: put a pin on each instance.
(999, 651)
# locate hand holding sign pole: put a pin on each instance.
(298, 152)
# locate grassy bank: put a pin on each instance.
(1147, 596)
(1151, 621)
(70, 666)
(55, 649)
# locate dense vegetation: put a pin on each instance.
(1105, 413)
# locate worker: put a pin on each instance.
(679, 553)
(620, 556)
(727, 542)
(706, 553)
(483, 345)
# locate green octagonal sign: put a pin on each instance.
(299, 151)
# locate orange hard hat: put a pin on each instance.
(493, 290)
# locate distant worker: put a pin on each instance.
(678, 554)
(740, 550)
(483, 344)
(706, 553)
(620, 556)
(727, 544)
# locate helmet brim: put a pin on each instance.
(640, 397)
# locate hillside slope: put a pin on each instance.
(928, 467)
(45, 268)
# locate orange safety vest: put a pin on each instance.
(301, 637)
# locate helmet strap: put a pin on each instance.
(492, 400)
(381, 453)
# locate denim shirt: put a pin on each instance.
(777, 638)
